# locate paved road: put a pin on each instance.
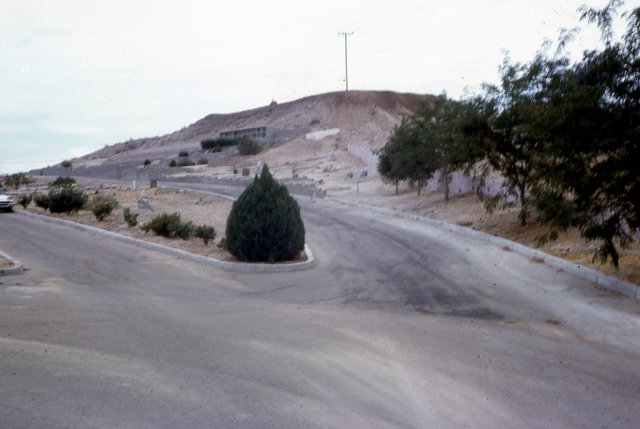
(398, 325)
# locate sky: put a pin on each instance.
(76, 75)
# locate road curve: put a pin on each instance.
(398, 325)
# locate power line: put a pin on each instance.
(346, 68)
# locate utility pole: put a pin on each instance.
(346, 68)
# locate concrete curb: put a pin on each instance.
(15, 269)
(225, 265)
(610, 282)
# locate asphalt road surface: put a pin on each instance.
(398, 325)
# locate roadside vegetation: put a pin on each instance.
(102, 205)
(24, 200)
(562, 134)
(16, 180)
(172, 226)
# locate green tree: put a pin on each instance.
(265, 223)
(590, 122)
(512, 145)
(407, 156)
(449, 130)
(386, 168)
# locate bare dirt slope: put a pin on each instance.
(362, 117)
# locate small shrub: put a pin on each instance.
(203, 161)
(206, 232)
(102, 206)
(147, 162)
(24, 200)
(216, 150)
(184, 230)
(173, 163)
(183, 153)
(247, 146)
(131, 219)
(170, 226)
(66, 200)
(41, 201)
(62, 182)
(66, 163)
(185, 162)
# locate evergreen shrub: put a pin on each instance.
(265, 223)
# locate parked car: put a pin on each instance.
(6, 202)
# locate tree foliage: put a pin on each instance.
(565, 136)
(265, 223)
(438, 137)
(590, 125)
(451, 131)
(511, 142)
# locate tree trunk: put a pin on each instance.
(397, 186)
(523, 208)
(445, 174)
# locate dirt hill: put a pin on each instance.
(363, 117)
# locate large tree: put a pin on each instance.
(436, 138)
(451, 131)
(512, 143)
(590, 123)
(407, 156)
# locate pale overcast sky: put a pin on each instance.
(76, 75)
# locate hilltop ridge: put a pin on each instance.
(363, 117)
